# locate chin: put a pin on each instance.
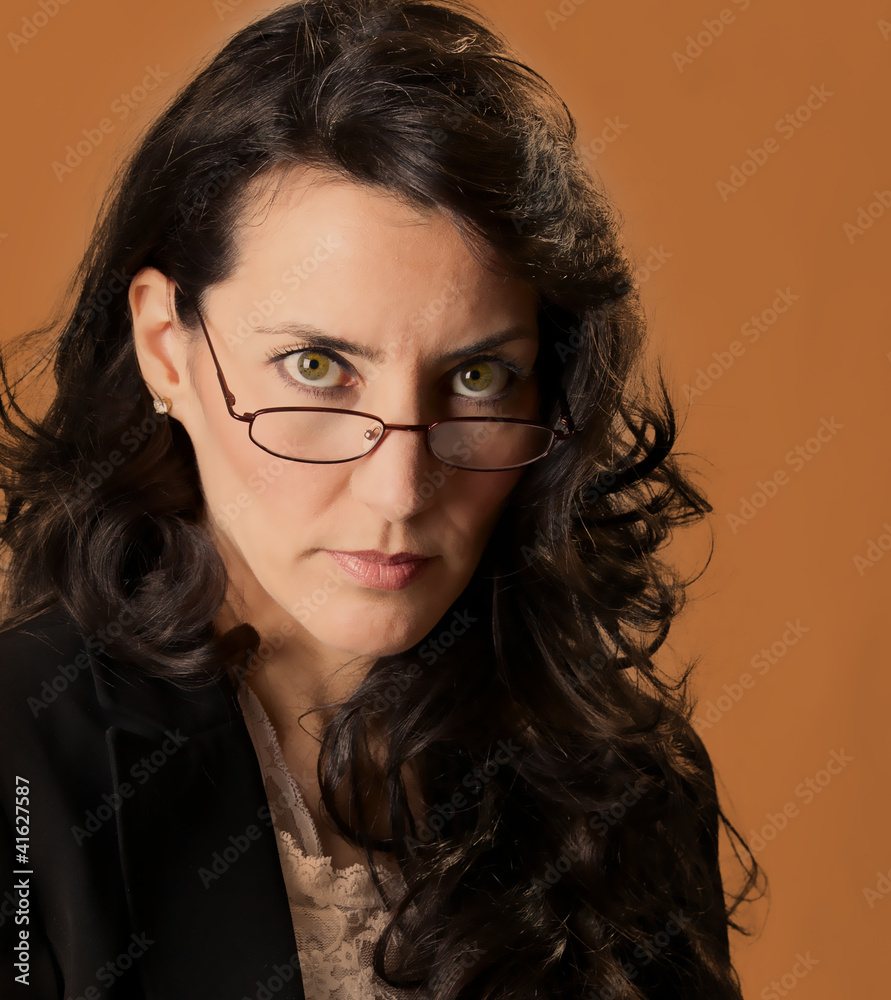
(372, 631)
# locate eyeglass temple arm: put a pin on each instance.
(227, 393)
(565, 416)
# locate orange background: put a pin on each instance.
(824, 361)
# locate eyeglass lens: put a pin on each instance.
(320, 436)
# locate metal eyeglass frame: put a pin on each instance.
(565, 417)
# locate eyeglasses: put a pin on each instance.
(330, 435)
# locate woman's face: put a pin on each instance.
(353, 263)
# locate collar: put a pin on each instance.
(198, 851)
(148, 704)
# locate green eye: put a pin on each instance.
(312, 365)
(479, 376)
(311, 369)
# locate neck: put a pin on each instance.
(291, 664)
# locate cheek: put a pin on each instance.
(251, 494)
(282, 501)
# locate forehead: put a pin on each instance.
(340, 252)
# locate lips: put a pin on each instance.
(374, 556)
(393, 573)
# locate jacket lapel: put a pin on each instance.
(208, 905)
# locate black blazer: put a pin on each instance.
(151, 870)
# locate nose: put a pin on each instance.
(398, 477)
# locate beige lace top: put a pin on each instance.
(337, 912)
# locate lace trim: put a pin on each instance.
(286, 802)
(336, 912)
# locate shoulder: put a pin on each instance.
(46, 637)
(678, 737)
(41, 659)
(53, 672)
(692, 773)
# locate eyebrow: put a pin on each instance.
(322, 339)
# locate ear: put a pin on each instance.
(161, 348)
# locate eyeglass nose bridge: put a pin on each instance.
(422, 428)
(378, 434)
(373, 433)
(410, 427)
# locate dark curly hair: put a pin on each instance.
(569, 846)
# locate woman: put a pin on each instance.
(333, 586)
